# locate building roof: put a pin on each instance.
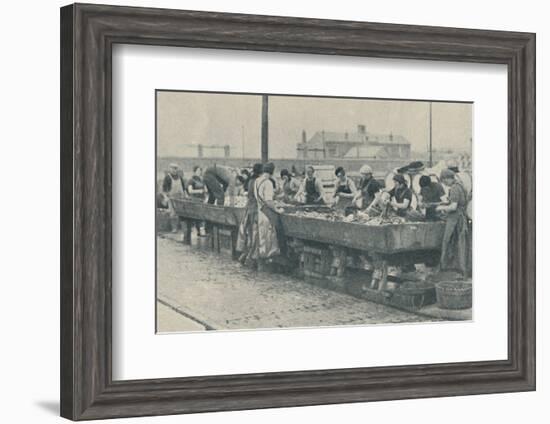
(366, 152)
(322, 137)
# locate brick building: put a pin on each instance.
(359, 144)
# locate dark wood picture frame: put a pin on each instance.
(88, 33)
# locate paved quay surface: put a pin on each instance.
(198, 289)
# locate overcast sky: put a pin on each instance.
(235, 119)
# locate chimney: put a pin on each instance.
(304, 138)
(361, 129)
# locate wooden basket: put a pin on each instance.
(454, 295)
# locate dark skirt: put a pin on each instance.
(456, 250)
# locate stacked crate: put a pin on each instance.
(317, 263)
(325, 266)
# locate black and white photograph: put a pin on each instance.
(275, 212)
(286, 211)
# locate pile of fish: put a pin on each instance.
(358, 218)
(325, 216)
(375, 220)
(239, 201)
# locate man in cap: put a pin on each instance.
(173, 184)
(368, 187)
(456, 245)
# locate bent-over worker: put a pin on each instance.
(219, 179)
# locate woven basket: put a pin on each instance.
(454, 295)
(414, 295)
(163, 220)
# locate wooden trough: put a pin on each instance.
(382, 239)
(405, 243)
(222, 222)
(223, 215)
(326, 243)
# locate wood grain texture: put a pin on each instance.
(88, 33)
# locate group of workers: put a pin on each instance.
(260, 237)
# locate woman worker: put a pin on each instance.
(368, 187)
(456, 246)
(290, 188)
(248, 228)
(311, 189)
(401, 195)
(431, 195)
(267, 246)
(345, 189)
(196, 190)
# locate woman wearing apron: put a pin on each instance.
(196, 190)
(345, 189)
(290, 187)
(173, 187)
(456, 247)
(248, 228)
(267, 240)
(311, 189)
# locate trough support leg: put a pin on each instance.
(216, 238)
(380, 274)
(383, 275)
(186, 226)
(234, 235)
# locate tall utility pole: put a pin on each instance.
(430, 148)
(242, 140)
(265, 107)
